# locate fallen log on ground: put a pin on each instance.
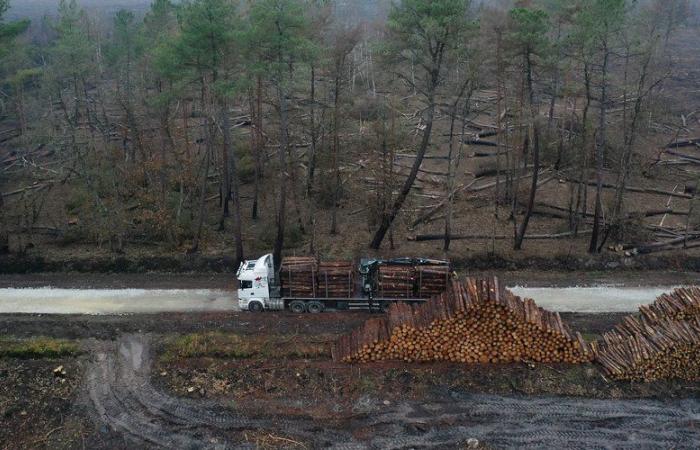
(633, 189)
(563, 213)
(642, 249)
(473, 189)
(499, 237)
(477, 321)
(685, 143)
(480, 142)
(487, 154)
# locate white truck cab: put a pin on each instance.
(254, 280)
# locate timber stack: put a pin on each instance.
(335, 279)
(298, 276)
(476, 321)
(661, 343)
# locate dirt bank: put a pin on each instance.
(175, 263)
(226, 281)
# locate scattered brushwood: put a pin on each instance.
(641, 351)
(396, 281)
(477, 321)
(298, 276)
(431, 280)
(335, 279)
(681, 304)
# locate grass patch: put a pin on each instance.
(37, 348)
(231, 345)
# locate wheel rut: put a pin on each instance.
(121, 396)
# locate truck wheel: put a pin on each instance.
(315, 307)
(255, 307)
(297, 307)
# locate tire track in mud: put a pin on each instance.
(121, 395)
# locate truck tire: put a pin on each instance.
(255, 307)
(315, 307)
(297, 307)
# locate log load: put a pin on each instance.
(663, 342)
(431, 280)
(335, 279)
(298, 276)
(396, 281)
(476, 321)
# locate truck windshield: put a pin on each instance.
(245, 284)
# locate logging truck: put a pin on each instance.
(304, 285)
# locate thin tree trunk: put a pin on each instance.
(599, 155)
(336, 150)
(225, 164)
(4, 236)
(234, 186)
(312, 151)
(203, 189)
(533, 190)
(282, 155)
(258, 147)
(520, 232)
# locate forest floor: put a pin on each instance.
(201, 380)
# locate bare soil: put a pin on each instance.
(126, 390)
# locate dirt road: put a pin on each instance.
(121, 395)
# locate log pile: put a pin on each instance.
(681, 304)
(396, 281)
(298, 276)
(663, 342)
(472, 322)
(335, 279)
(431, 280)
(640, 351)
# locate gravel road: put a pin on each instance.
(149, 301)
(115, 301)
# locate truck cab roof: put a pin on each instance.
(252, 269)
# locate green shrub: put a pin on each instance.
(230, 345)
(40, 347)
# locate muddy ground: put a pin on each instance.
(269, 382)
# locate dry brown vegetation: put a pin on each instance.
(137, 174)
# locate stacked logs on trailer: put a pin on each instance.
(431, 280)
(335, 279)
(298, 276)
(477, 321)
(663, 342)
(396, 281)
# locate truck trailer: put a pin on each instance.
(261, 287)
